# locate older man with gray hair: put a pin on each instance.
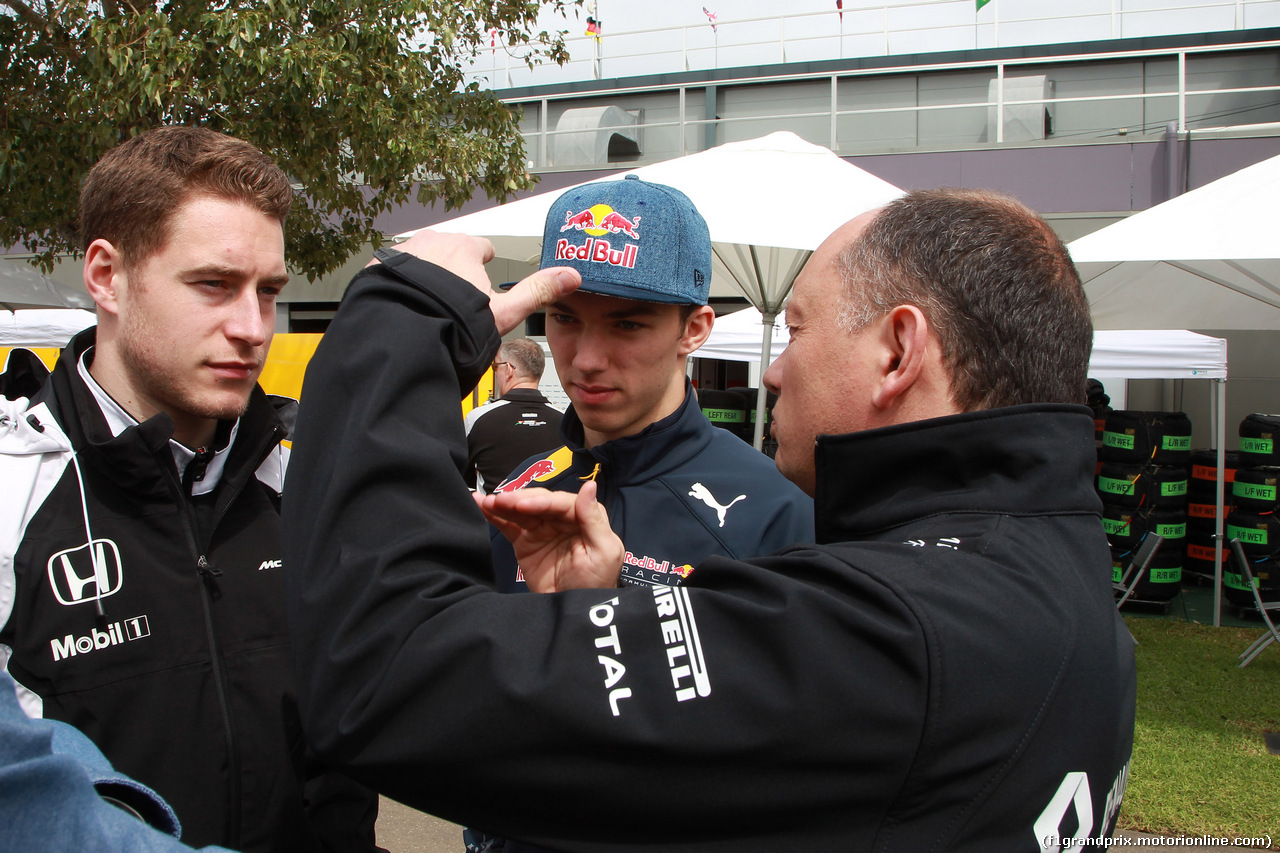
(515, 426)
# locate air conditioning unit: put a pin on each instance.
(1022, 122)
(596, 136)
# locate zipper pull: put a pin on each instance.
(209, 575)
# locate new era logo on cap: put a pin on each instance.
(632, 239)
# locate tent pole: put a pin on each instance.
(1220, 397)
(766, 350)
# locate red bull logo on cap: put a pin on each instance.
(599, 220)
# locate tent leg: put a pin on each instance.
(1220, 399)
(766, 350)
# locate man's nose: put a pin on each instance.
(773, 375)
(247, 321)
(591, 353)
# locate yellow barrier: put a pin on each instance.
(287, 364)
(48, 355)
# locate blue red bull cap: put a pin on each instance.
(633, 239)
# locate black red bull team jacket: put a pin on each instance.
(944, 670)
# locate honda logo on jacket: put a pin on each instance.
(87, 573)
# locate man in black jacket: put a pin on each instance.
(518, 424)
(944, 670)
(140, 552)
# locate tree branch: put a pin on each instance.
(26, 13)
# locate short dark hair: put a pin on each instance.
(525, 356)
(996, 285)
(130, 195)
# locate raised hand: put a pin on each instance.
(562, 540)
(465, 257)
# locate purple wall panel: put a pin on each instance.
(1050, 179)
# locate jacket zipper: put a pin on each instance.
(208, 583)
(208, 590)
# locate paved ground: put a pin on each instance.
(403, 830)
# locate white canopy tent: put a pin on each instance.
(1117, 354)
(1207, 259)
(22, 286)
(768, 203)
(42, 327)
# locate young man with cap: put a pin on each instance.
(677, 488)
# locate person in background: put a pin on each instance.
(520, 423)
(139, 521)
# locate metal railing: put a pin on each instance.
(860, 30)
(685, 128)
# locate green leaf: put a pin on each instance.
(327, 88)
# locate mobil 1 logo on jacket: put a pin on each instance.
(85, 577)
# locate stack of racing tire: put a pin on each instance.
(750, 396)
(724, 409)
(1098, 401)
(1202, 511)
(1143, 471)
(1252, 520)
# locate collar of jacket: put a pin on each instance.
(129, 459)
(660, 447)
(524, 395)
(1019, 460)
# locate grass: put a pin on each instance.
(1200, 764)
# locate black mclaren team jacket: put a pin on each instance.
(944, 670)
(677, 492)
(153, 621)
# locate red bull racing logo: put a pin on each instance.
(597, 222)
(539, 471)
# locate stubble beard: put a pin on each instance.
(169, 390)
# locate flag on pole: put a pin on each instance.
(981, 3)
(593, 28)
(840, 10)
(493, 40)
(711, 16)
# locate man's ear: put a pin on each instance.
(904, 333)
(103, 275)
(697, 329)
